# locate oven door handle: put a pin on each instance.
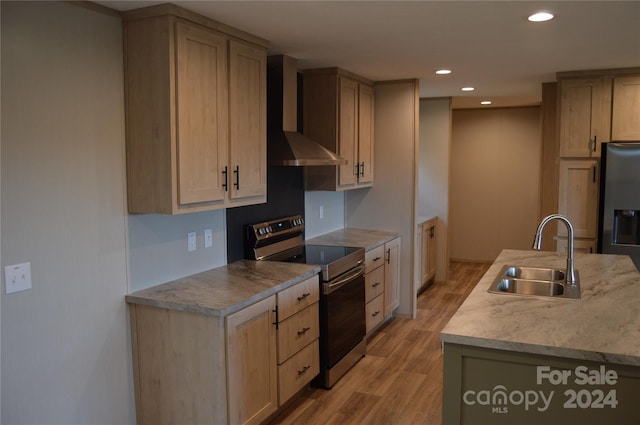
(341, 281)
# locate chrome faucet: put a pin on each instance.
(570, 275)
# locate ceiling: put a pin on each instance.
(489, 45)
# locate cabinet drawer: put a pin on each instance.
(297, 331)
(374, 258)
(297, 297)
(375, 312)
(296, 372)
(374, 283)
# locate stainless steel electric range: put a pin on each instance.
(342, 296)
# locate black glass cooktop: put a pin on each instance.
(314, 254)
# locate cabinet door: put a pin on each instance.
(583, 246)
(578, 197)
(625, 123)
(248, 128)
(392, 276)
(431, 249)
(581, 117)
(347, 130)
(202, 120)
(252, 380)
(365, 134)
(428, 251)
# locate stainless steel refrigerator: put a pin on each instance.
(619, 214)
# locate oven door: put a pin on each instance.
(342, 310)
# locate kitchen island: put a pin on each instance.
(530, 360)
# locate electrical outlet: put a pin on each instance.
(191, 241)
(17, 278)
(321, 212)
(208, 238)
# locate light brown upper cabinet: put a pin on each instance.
(338, 114)
(195, 113)
(626, 108)
(583, 121)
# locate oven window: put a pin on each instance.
(343, 312)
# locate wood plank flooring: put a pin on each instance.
(399, 381)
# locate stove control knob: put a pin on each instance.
(269, 229)
(260, 230)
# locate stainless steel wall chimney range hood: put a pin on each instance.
(285, 146)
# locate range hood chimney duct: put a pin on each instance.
(285, 146)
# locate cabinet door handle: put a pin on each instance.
(303, 296)
(304, 369)
(303, 331)
(226, 175)
(237, 173)
(373, 285)
(357, 169)
(375, 313)
(362, 169)
(595, 143)
(276, 314)
(388, 255)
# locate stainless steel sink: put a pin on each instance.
(530, 287)
(534, 273)
(534, 281)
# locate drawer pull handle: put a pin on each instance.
(373, 285)
(375, 313)
(304, 369)
(376, 259)
(305, 295)
(303, 331)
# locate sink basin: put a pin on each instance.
(534, 281)
(530, 287)
(534, 273)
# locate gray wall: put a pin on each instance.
(433, 181)
(391, 204)
(66, 349)
(332, 204)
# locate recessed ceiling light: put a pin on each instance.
(443, 71)
(485, 102)
(467, 89)
(540, 17)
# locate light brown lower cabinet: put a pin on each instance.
(239, 369)
(382, 277)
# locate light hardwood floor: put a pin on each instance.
(399, 381)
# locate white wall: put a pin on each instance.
(495, 174)
(391, 204)
(433, 177)
(65, 350)
(332, 204)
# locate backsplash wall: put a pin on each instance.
(285, 197)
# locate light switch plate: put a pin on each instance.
(208, 238)
(17, 278)
(191, 241)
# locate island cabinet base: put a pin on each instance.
(488, 386)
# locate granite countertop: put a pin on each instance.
(362, 238)
(423, 218)
(227, 289)
(604, 325)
